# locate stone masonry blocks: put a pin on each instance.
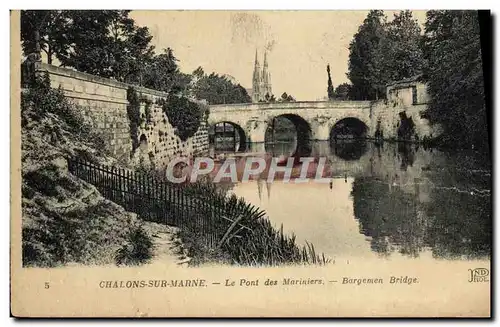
(104, 103)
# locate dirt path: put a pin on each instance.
(168, 248)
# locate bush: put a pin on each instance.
(49, 110)
(41, 99)
(134, 116)
(184, 114)
(138, 249)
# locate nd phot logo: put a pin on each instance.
(479, 275)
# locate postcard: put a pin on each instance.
(250, 163)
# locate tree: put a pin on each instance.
(218, 89)
(108, 43)
(454, 76)
(364, 57)
(343, 91)
(383, 52)
(162, 72)
(331, 92)
(400, 55)
(198, 73)
(47, 28)
(269, 98)
(286, 98)
(184, 114)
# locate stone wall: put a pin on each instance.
(387, 113)
(158, 141)
(410, 97)
(104, 103)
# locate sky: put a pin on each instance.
(299, 44)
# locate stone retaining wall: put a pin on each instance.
(104, 102)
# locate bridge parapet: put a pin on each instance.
(319, 105)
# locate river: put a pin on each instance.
(385, 200)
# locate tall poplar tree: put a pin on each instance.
(330, 90)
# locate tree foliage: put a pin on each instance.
(343, 91)
(216, 89)
(50, 26)
(162, 73)
(106, 43)
(109, 44)
(454, 75)
(364, 56)
(400, 50)
(269, 98)
(134, 116)
(286, 98)
(382, 52)
(184, 114)
(330, 90)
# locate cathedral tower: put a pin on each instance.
(266, 78)
(261, 81)
(256, 81)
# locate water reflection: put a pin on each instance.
(383, 201)
(349, 149)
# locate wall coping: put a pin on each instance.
(67, 72)
(294, 105)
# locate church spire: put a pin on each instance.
(256, 80)
(266, 78)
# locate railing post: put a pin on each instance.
(113, 181)
(118, 186)
(123, 186)
(163, 202)
(134, 174)
(183, 209)
(140, 182)
(89, 172)
(150, 197)
(170, 207)
(179, 208)
(105, 176)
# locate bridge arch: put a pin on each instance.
(228, 129)
(303, 133)
(349, 128)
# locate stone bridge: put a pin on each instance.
(315, 120)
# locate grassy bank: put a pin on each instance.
(64, 219)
